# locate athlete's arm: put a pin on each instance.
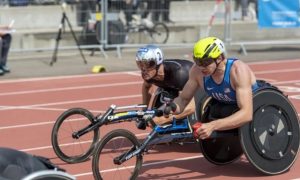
(146, 92)
(189, 109)
(187, 93)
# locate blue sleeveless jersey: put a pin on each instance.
(223, 92)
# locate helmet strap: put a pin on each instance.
(218, 63)
(157, 68)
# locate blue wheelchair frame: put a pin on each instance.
(178, 129)
(175, 131)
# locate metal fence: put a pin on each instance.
(105, 24)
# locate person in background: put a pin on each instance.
(247, 13)
(166, 12)
(5, 41)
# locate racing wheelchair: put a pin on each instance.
(270, 141)
(76, 131)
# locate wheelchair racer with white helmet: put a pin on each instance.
(169, 75)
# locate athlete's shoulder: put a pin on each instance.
(178, 62)
(239, 65)
(240, 71)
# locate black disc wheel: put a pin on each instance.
(116, 143)
(67, 147)
(219, 150)
(271, 140)
(160, 33)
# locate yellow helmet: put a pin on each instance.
(209, 47)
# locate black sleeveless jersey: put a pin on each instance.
(176, 74)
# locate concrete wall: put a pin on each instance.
(36, 17)
(37, 26)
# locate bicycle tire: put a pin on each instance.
(160, 33)
(57, 145)
(115, 134)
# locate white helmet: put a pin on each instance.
(150, 55)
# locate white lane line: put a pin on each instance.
(38, 124)
(63, 77)
(49, 147)
(27, 125)
(137, 73)
(69, 144)
(273, 61)
(39, 108)
(69, 88)
(277, 71)
(104, 85)
(35, 124)
(70, 102)
(117, 84)
(286, 82)
(50, 109)
(267, 79)
(144, 165)
(118, 73)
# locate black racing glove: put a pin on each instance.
(170, 107)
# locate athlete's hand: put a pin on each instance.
(205, 130)
(149, 121)
(162, 120)
(169, 108)
(195, 127)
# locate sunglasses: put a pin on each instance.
(203, 62)
(146, 65)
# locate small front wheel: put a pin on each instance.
(67, 147)
(115, 144)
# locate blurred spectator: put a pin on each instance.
(256, 7)
(127, 6)
(154, 7)
(166, 11)
(18, 2)
(158, 8)
(84, 9)
(244, 4)
(3, 2)
(5, 40)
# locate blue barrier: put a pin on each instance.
(278, 14)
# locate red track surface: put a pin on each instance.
(29, 108)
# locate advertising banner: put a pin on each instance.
(279, 13)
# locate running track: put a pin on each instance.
(29, 107)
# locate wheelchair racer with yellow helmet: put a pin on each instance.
(250, 111)
(229, 81)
